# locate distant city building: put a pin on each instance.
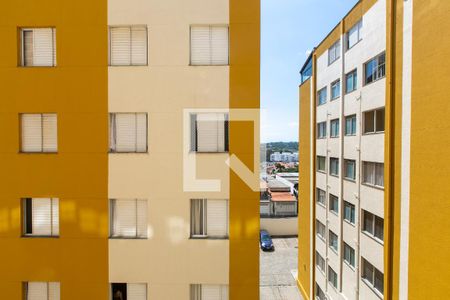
(284, 157)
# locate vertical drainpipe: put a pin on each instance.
(358, 198)
(312, 213)
(341, 156)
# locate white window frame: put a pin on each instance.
(194, 133)
(335, 85)
(131, 27)
(334, 52)
(55, 286)
(357, 27)
(204, 230)
(352, 218)
(375, 168)
(354, 77)
(352, 119)
(371, 281)
(331, 238)
(113, 133)
(319, 157)
(349, 253)
(334, 128)
(371, 229)
(375, 113)
(321, 194)
(322, 130)
(142, 284)
(332, 201)
(196, 291)
(112, 208)
(334, 159)
(379, 68)
(319, 233)
(43, 146)
(332, 275)
(346, 164)
(210, 49)
(320, 262)
(322, 96)
(22, 47)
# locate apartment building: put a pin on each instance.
(370, 137)
(102, 104)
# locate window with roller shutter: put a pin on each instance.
(208, 292)
(40, 216)
(128, 218)
(209, 45)
(39, 133)
(41, 290)
(209, 218)
(128, 46)
(209, 132)
(128, 132)
(38, 47)
(129, 291)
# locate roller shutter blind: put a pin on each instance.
(128, 46)
(42, 291)
(128, 132)
(217, 218)
(209, 45)
(214, 292)
(44, 216)
(39, 133)
(211, 132)
(39, 47)
(129, 218)
(136, 291)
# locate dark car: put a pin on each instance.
(265, 241)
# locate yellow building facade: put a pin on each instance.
(410, 144)
(76, 163)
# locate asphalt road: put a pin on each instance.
(276, 279)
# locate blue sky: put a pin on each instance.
(290, 28)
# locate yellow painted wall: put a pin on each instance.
(429, 203)
(244, 203)
(77, 91)
(304, 190)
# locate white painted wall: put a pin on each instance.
(280, 226)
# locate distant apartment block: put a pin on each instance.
(102, 102)
(372, 186)
(284, 157)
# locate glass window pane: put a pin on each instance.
(379, 230)
(369, 122)
(380, 120)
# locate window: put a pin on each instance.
(321, 196)
(335, 89)
(334, 166)
(39, 133)
(320, 262)
(208, 292)
(334, 203)
(373, 225)
(349, 169)
(129, 291)
(354, 35)
(332, 277)
(350, 125)
(128, 132)
(321, 130)
(209, 45)
(375, 69)
(38, 47)
(333, 240)
(334, 128)
(351, 81)
(321, 166)
(41, 290)
(349, 212)
(128, 218)
(320, 295)
(372, 276)
(209, 218)
(334, 52)
(40, 216)
(209, 132)
(128, 46)
(349, 255)
(320, 230)
(322, 96)
(373, 173)
(374, 121)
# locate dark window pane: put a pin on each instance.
(380, 120)
(369, 122)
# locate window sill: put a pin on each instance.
(334, 213)
(349, 92)
(349, 135)
(334, 137)
(334, 99)
(373, 186)
(40, 236)
(368, 234)
(374, 290)
(37, 67)
(321, 271)
(349, 223)
(350, 179)
(208, 152)
(335, 175)
(373, 133)
(38, 152)
(208, 238)
(366, 84)
(322, 172)
(322, 138)
(127, 238)
(146, 65)
(349, 265)
(321, 204)
(321, 238)
(335, 251)
(208, 65)
(131, 152)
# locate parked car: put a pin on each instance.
(265, 241)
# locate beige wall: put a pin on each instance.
(167, 261)
(280, 226)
